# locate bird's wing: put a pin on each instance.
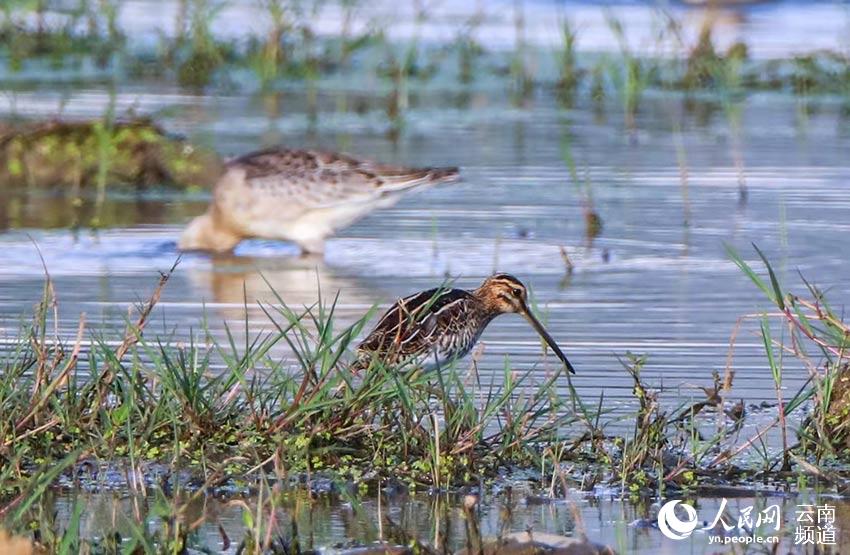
(319, 179)
(409, 328)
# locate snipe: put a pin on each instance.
(433, 327)
(302, 196)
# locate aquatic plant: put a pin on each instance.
(706, 68)
(401, 65)
(268, 58)
(630, 77)
(196, 53)
(522, 81)
(70, 34)
(568, 69)
(592, 220)
(819, 339)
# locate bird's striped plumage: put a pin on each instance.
(426, 329)
(436, 326)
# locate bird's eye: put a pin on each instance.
(517, 292)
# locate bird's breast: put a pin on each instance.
(458, 342)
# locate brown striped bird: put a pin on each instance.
(303, 196)
(434, 327)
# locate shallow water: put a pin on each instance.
(649, 283)
(440, 520)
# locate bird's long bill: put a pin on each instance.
(538, 327)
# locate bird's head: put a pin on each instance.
(503, 294)
(205, 234)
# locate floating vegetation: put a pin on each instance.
(79, 154)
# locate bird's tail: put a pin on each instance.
(400, 179)
(442, 175)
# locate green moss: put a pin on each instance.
(132, 153)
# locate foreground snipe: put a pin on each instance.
(302, 196)
(433, 327)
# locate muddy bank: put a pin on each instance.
(82, 154)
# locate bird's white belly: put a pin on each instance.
(446, 352)
(322, 222)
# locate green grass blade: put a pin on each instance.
(778, 298)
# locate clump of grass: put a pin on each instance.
(401, 66)
(271, 55)
(819, 339)
(196, 53)
(349, 42)
(630, 77)
(705, 67)
(650, 437)
(292, 49)
(817, 73)
(723, 74)
(69, 401)
(522, 80)
(568, 70)
(469, 50)
(140, 400)
(669, 448)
